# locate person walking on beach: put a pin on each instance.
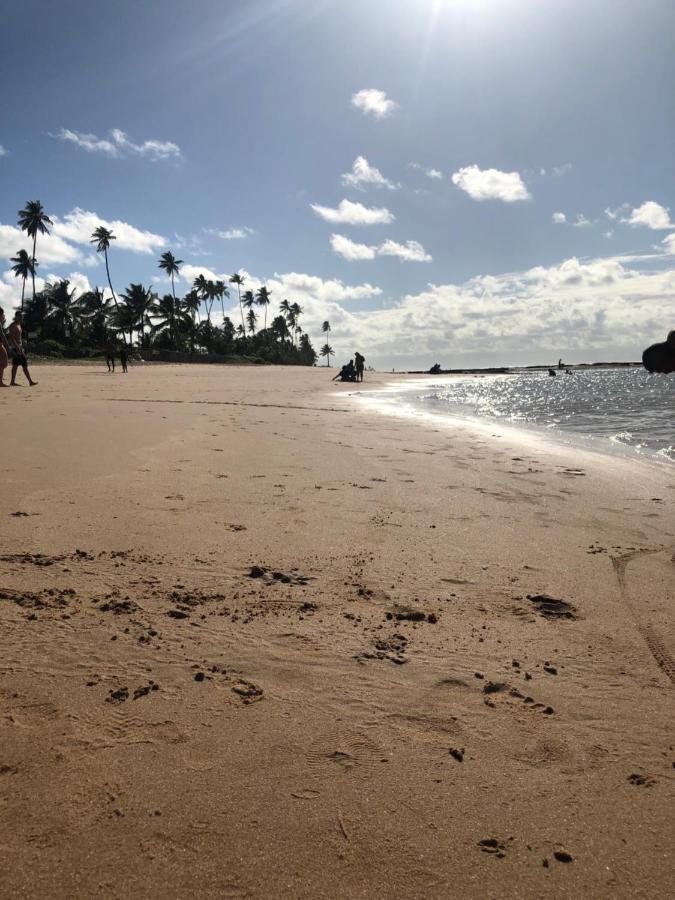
(359, 363)
(124, 358)
(4, 349)
(16, 349)
(110, 358)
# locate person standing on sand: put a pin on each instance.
(359, 362)
(4, 348)
(110, 358)
(16, 349)
(124, 358)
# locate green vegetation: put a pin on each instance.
(61, 324)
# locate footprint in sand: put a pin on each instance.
(335, 752)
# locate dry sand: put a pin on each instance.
(383, 712)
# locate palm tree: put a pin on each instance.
(33, 219)
(199, 285)
(248, 300)
(62, 309)
(22, 268)
(326, 328)
(171, 317)
(94, 309)
(326, 351)
(297, 312)
(239, 281)
(139, 301)
(251, 318)
(102, 237)
(222, 291)
(262, 298)
(171, 266)
(210, 293)
(191, 302)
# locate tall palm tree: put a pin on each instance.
(221, 292)
(199, 285)
(102, 237)
(285, 309)
(262, 298)
(94, 310)
(326, 328)
(239, 281)
(251, 318)
(33, 219)
(248, 300)
(297, 312)
(171, 266)
(210, 294)
(327, 351)
(22, 268)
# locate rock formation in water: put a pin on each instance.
(660, 357)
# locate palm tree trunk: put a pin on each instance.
(23, 291)
(33, 271)
(241, 308)
(173, 290)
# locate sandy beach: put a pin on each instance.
(259, 641)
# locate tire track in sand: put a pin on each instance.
(661, 654)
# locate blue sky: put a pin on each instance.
(471, 126)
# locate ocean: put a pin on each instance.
(621, 409)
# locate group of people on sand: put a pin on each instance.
(353, 370)
(110, 358)
(11, 347)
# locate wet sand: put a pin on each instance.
(259, 642)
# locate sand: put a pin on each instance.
(258, 641)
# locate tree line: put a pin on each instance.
(139, 315)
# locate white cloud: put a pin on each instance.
(613, 214)
(374, 102)
(79, 224)
(10, 287)
(559, 171)
(51, 249)
(491, 184)
(349, 213)
(430, 173)
(188, 273)
(669, 242)
(411, 251)
(363, 174)
(234, 234)
(651, 214)
(118, 144)
(349, 249)
(559, 218)
(3, 151)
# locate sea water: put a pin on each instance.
(604, 408)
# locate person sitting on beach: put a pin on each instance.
(551, 373)
(435, 369)
(4, 348)
(124, 358)
(347, 372)
(360, 362)
(17, 351)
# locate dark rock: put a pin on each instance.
(563, 856)
(457, 754)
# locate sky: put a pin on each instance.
(470, 182)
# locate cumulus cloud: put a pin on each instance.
(411, 251)
(364, 175)
(651, 214)
(235, 234)
(349, 249)
(491, 184)
(118, 144)
(374, 102)
(669, 243)
(3, 151)
(349, 213)
(10, 287)
(51, 249)
(559, 218)
(79, 224)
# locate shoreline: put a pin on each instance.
(529, 432)
(257, 640)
